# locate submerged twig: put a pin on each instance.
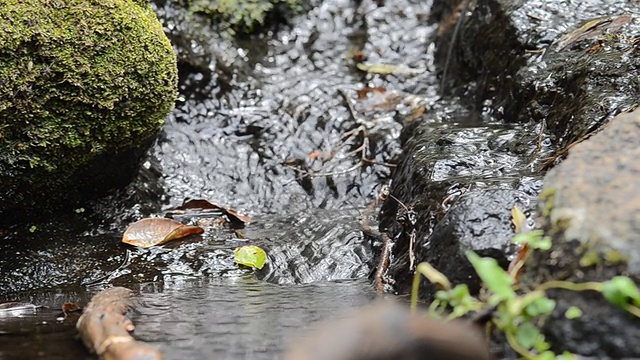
(387, 244)
(113, 274)
(360, 151)
(384, 263)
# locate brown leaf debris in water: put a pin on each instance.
(157, 231)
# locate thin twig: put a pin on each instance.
(456, 30)
(387, 243)
(383, 265)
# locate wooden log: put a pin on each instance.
(105, 328)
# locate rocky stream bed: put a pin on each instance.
(277, 125)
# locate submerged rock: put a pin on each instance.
(591, 206)
(317, 246)
(84, 89)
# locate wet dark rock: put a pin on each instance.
(519, 54)
(461, 177)
(517, 64)
(479, 221)
(590, 204)
(572, 80)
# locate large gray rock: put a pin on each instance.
(591, 206)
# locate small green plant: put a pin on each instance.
(517, 314)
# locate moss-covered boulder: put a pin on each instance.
(84, 87)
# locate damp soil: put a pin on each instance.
(262, 125)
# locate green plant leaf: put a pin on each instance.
(459, 294)
(547, 355)
(620, 290)
(566, 356)
(528, 335)
(540, 306)
(250, 255)
(535, 239)
(493, 276)
(434, 276)
(573, 312)
(461, 301)
(519, 220)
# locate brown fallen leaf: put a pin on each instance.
(365, 92)
(203, 204)
(157, 231)
(68, 308)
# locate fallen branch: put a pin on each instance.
(383, 265)
(387, 244)
(104, 327)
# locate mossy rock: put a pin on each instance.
(84, 88)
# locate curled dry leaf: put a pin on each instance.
(390, 69)
(157, 231)
(203, 204)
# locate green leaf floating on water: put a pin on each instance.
(250, 255)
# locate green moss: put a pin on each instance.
(596, 255)
(590, 258)
(615, 257)
(547, 198)
(78, 79)
(243, 14)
